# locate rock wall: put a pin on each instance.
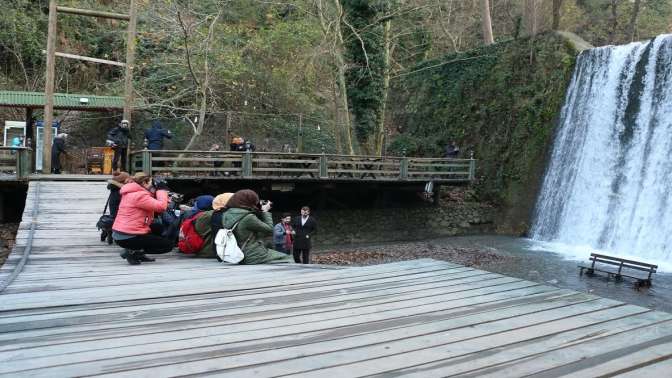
(403, 224)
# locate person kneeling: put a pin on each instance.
(131, 229)
(253, 222)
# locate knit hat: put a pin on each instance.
(139, 177)
(120, 177)
(221, 201)
(203, 202)
(244, 199)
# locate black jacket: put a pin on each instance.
(155, 136)
(58, 146)
(304, 234)
(115, 198)
(119, 136)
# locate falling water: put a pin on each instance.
(609, 181)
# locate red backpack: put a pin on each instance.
(190, 241)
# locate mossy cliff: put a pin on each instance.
(501, 102)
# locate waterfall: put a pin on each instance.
(608, 185)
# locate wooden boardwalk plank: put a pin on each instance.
(78, 309)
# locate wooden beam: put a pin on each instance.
(49, 88)
(89, 59)
(128, 79)
(93, 13)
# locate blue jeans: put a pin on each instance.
(281, 248)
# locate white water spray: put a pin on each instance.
(609, 181)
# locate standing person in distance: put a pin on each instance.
(304, 226)
(283, 234)
(117, 138)
(155, 136)
(57, 149)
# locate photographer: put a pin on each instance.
(117, 138)
(140, 199)
(254, 223)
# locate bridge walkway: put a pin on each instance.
(75, 308)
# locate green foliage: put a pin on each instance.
(498, 101)
(365, 53)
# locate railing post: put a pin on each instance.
(323, 165)
(247, 164)
(147, 161)
(22, 163)
(472, 167)
(403, 166)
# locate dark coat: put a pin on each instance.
(58, 146)
(115, 197)
(304, 234)
(155, 136)
(119, 136)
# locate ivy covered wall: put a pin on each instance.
(501, 102)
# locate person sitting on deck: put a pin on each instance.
(114, 185)
(253, 222)
(208, 224)
(132, 227)
(202, 203)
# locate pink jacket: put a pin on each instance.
(137, 208)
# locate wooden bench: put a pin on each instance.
(620, 263)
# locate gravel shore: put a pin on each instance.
(384, 253)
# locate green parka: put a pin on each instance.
(252, 229)
(204, 230)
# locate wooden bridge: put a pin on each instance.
(269, 166)
(69, 306)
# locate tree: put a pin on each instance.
(486, 23)
(332, 32)
(632, 27)
(557, 6)
(365, 52)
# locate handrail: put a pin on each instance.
(21, 157)
(282, 165)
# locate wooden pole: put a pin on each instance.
(30, 136)
(49, 88)
(128, 79)
(89, 59)
(93, 13)
(299, 143)
(228, 128)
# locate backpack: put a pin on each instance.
(190, 241)
(105, 221)
(227, 245)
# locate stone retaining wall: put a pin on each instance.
(403, 224)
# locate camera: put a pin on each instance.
(264, 202)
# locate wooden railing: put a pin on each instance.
(273, 165)
(15, 162)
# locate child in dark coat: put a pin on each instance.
(114, 185)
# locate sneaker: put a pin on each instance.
(143, 258)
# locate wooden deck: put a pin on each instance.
(77, 309)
